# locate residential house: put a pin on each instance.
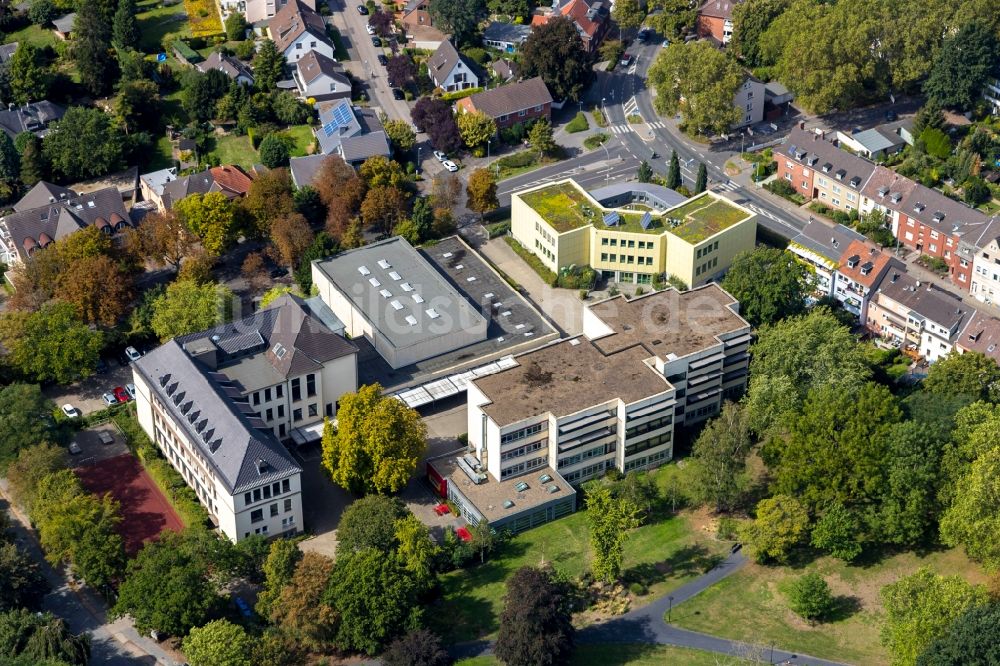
(416, 21)
(749, 99)
(230, 180)
(927, 221)
(513, 104)
(450, 70)
(777, 100)
(505, 70)
(506, 37)
(34, 117)
(591, 18)
(258, 11)
(7, 52)
(985, 280)
(48, 213)
(878, 142)
(151, 185)
(862, 269)
(715, 20)
(917, 315)
(297, 29)
(353, 133)
(820, 246)
(63, 26)
(818, 169)
(229, 65)
(320, 78)
(981, 335)
(304, 169)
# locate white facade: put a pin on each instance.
(460, 77)
(986, 274)
(991, 93)
(749, 99)
(271, 509)
(304, 44)
(257, 10)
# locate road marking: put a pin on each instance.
(659, 124)
(728, 185)
(631, 107)
(620, 129)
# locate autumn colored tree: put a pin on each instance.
(254, 271)
(476, 129)
(98, 289)
(383, 208)
(211, 217)
(300, 610)
(331, 177)
(446, 190)
(481, 192)
(187, 307)
(291, 236)
(162, 239)
(197, 267)
(380, 171)
(269, 198)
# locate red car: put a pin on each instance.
(121, 395)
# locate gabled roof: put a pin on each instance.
(7, 51)
(511, 98)
(227, 64)
(314, 65)
(506, 32)
(231, 180)
(228, 179)
(292, 21)
(587, 17)
(64, 24)
(927, 301)
(981, 334)
(42, 194)
(866, 264)
(34, 117)
(361, 147)
(505, 69)
(242, 452)
(444, 60)
(826, 240)
(157, 180)
(813, 151)
(336, 123)
(35, 227)
(718, 8)
(304, 169)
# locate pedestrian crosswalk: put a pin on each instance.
(630, 107)
(619, 129)
(761, 211)
(657, 124)
(729, 186)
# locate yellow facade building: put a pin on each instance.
(632, 231)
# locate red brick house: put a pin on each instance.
(820, 170)
(512, 104)
(715, 20)
(591, 18)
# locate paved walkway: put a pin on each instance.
(647, 625)
(113, 643)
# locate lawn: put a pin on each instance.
(303, 137)
(633, 655)
(156, 21)
(162, 156)
(563, 206)
(34, 35)
(663, 554)
(233, 149)
(750, 605)
(704, 217)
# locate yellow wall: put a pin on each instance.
(621, 239)
(683, 260)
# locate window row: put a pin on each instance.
(525, 466)
(266, 492)
(627, 259)
(522, 433)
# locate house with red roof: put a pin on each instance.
(591, 18)
(715, 20)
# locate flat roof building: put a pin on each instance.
(632, 234)
(390, 294)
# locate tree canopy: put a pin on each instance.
(972, 374)
(769, 283)
(610, 518)
(24, 421)
(554, 51)
(52, 344)
(435, 117)
(969, 641)
(219, 643)
(966, 61)
(699, 82)
(781, 525)
(84, 144)
(211, 217)
(188, 307)
(535, 625)
(370, 522)
(720, 458)
(42, 639)
(459, 18)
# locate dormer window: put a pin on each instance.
(853, 261)
(895, 197)
(938, 216)
(918, 207)
(827, 167)
(882, 191)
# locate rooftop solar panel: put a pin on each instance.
(612, 219)
(646, 220)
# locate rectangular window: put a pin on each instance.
(310, 386)
(604, 241)
(256, 494)
(285, 485)
(279, 390)
(256, 398)
(288, 505)
(296, 414)
(296, 389)
(269, 414)
(267, 492)
(267, 395)
(281, 411)
(274, 510)
(281, 430)
(246, 498)
(256, 515)
(329, 409)
(313, 410)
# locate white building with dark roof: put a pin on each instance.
(216, 403)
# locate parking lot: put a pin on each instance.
(86, 395)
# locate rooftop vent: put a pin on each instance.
(800, 154)
(521, 487)
(812, 160)
(840, 174)
(262, 466)
(417, 298)
(374, 282)
(553, 489)
(395, 276)
(385, 293)
(407, 286)
(432, 313)
(364, 270)
(508, 504)
(396, 305)
(164, 379)
(411, 320)
(895, 197)
(855, 181)
(574, 342)
(882, 191)
(917, 207)
(827, 167)
(214, 446)
(383, 264)
(545, 478)
(866, 268)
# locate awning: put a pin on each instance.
(308, 434)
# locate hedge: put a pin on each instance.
(167, 479)
(518, 160)
(532, 260)
(459, 94)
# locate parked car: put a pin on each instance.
(109, 399)
(376, 42)
(643, 35)
(362, 10)
(627, 59)
(891, 116)
(450, 166)
(398, 94)
(70, 411)
(106, 438)
(382, 60)
(441, 157)
(101, 367)
(120, 394)
(132, 353)
(369, 28)
(74, 448)
(130, 389)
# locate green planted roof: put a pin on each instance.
(703, 217)
(563, 206)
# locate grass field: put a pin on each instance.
(632, 655)
(162, 156)
(751, 606)
(234, 149)
(157, 21)
(303, 137)
(663, 554)
(34, 35)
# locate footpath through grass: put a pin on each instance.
(661, 555)
(751, 605)
(631, 654)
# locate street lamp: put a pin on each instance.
(670, 607)
(418, 160)
(607, 153)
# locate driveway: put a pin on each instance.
(326, 504)
(86, 395)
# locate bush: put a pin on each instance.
(274, 151)
(595, 141)
(578, 124)
(727, 529)
(498, 229)
(638, 589)
(599, 118)
(579, 277)
(532, 260)
(810, 597)
(459, 94)
(517, 160)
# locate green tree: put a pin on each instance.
(375, 599)
(29, 75)
(929, 115)
(90, 48)
(609, 518)
(236, 27)
(422, 217)
(279, 567)
(701, 182)
(166, 589)
(401, 135)
(810, 598)
(838, 532)
(973, 519)
(976, 191)
(535, 623)
(41, 639)
(417, 648)
(966, 61)
(188, 307)
(274, 151)
(476, 129)
(934, 142)
(84, 144)
(22, 584)
(720, 455)
(674, 172)
(751, 20)
(628, 14)
(377, 442)
(554, 51)
(645, 173)
(481, 192)
(459, 18)
(219, 643)
(24, 422)
(795, 356)
(970, 640)
(125, 26)
(416, 550)
(34, 166)
(540, 137)
(769, 283)
(51, 344)
(211, 217)
(919, 609)
(268, 66)
(370, 522)
(138, 105)
(781, 525)
(10, 164)
(42, 11)
(201, 92)
(322, 246)
(699, 82)
(301, 610)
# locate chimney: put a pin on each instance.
(802, 124)
(918, 283)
